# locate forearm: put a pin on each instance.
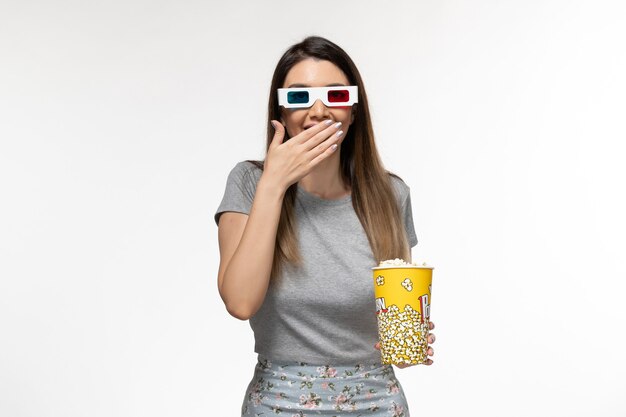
(247, 275)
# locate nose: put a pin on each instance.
(318, 110)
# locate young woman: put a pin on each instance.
(298, 234)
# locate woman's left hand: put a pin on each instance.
(429, 351)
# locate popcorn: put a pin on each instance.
(400, 262)
(394, 262)
(402, 292)
(403, 335)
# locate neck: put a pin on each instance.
(325, 180)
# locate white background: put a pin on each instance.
(120, 120)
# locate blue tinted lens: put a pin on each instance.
(297, 97)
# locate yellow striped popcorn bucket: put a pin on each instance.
(403, 309)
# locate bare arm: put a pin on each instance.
(247, 242)
(247, 250)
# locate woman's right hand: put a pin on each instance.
(288, 162)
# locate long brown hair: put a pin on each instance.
(373, 196)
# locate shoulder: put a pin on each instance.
(246, 172)
(400, 187)
(248, 167)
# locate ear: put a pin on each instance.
(353, 114)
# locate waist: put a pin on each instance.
(286, 369)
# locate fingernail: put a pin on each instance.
(339, 133)
(328, 122)
(337, 125)
(273, 125)
(333, 146)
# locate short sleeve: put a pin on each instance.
(403, 194)
(407, 212)
(240, 189)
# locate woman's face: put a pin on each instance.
(315, 73)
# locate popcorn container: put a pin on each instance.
(403, 309)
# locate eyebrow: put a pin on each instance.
(308, 86)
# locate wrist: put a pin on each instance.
(271, 186)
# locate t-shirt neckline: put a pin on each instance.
(318, 200)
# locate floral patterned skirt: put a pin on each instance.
(296, 389)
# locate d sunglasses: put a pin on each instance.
(336, 96)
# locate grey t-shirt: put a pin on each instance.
(323, 311)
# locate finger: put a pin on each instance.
(328, 152)
(430, 351)
(319, 149)
(431, 325)
(331, 132)
(428, 362)
(431, 338)
(403, 365)
(313, 131)
(377, 346)
(279, 134)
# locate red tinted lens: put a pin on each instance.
(338, 96)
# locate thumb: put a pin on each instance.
(279, 134)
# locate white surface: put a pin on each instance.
(121, 120)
